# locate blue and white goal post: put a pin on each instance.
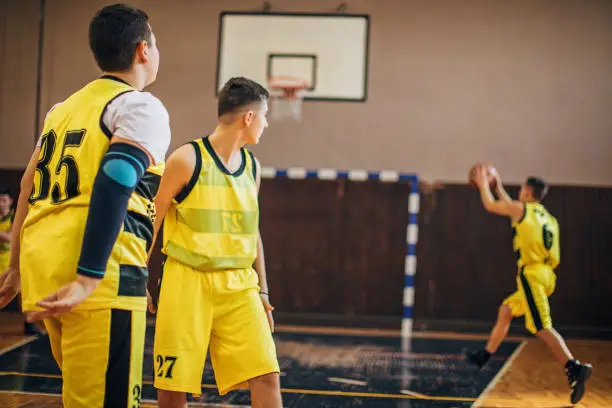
(412, 229)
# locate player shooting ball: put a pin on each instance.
(536, 245)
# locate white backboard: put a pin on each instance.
(329, 51)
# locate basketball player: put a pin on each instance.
(211, 239)
(6, 221)
(85, 217)
(7, 214)
(536, 244)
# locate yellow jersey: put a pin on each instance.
(5, 225)
(536, 237)
(73, 143)
(5, 247)
(213, 223)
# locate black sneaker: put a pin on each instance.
(577, 376)
(478, 358)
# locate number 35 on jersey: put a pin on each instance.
(57, 175)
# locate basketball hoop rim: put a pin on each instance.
(286, 96)
(287, 84)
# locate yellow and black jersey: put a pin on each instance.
(536, 237)
(213, 224)
(5, 225)
(73, 143)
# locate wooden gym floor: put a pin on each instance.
(323, 367)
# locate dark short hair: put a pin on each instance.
(539, 188)
(239, 92)
(114, 33)
(4, 190)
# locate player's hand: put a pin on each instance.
(150, 304)
(265, 300)
(481, 176)
(10, 284)
(495, 174)
(65, 299)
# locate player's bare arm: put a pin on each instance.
(10, 281)
(260, 264)
(500, 191)
(179, 169)
(509, 208)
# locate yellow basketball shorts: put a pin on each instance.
(221, 310)
(535, 284)
(100, 354)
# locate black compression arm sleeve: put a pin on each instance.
(121, 169)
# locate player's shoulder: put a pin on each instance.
(252, 156)
(187, 150)
(146, 98)
(141, 118)
(53, 109)
(255, 166)
(552, 217)
(540, 208)
(140, 101)
(185, 155)
(48, 116)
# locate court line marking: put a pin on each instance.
(429, 355)
(45, 394)
(485, 393)
(347, 381)
(290, 390)
(413, 393)
(18, 344)
(149, 403)
(385, 333)
(364, 332)
(342, 331)
(375, 395)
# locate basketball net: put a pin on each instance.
(286, 97)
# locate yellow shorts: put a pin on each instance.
(535, 284)
(222, 310)
(100, 354)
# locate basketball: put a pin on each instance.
(491, 175)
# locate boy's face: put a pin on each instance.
(5, 203)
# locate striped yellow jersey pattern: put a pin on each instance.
(213, 223)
